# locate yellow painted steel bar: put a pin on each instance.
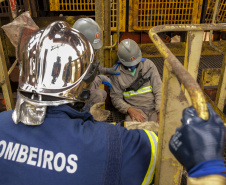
(117, 26)
(107, 33)
(173, 69)
(168, 169)
(5, 83)
(192, 55)
(213, 77)
(195, 92)
(215, 13)
(221, 91)
(99, 19)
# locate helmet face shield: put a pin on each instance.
(55, 61)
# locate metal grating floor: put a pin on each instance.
(206, 61)
(115, 116)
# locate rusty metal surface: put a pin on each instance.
(6, 87)
(215, 13)
(206, 62)
(107, 33)
(178, 49)
(172, 104)
(216, 109)
(116, 25)
(99, 19)
(33, 8)
(192, 55)
(196, 94)
(221, 92)
(210, 78)
(187, 27)
(174, 98)
(4, 9)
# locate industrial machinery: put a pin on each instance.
(197, 57)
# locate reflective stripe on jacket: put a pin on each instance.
(151, 169)
(139, 91)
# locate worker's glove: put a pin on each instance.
(198, 142)
(112, 71)
(98, 113)
(105, 80)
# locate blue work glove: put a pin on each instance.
(105, 80)
(199, 144)
(112, 70)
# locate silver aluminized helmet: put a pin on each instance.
(129, 52)
(56, 62)
(91, 30)
(57, 68)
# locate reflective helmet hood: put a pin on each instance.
(55, 63)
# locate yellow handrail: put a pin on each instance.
(195, 92)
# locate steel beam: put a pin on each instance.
(107, 33)
(168, 169)
(221, 91)
(4, 81)
(99, 12)
(192, 55)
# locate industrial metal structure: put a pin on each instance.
(182, 65)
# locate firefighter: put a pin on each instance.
(53, 142)
(199, 146)
(24, 26)
(137, 91)
(91, 30)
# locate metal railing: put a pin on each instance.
(174, 99)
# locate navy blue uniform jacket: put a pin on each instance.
(69, 148)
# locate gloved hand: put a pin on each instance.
(197, 140)
(105, 80)
(98, 113)
(112, 71)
